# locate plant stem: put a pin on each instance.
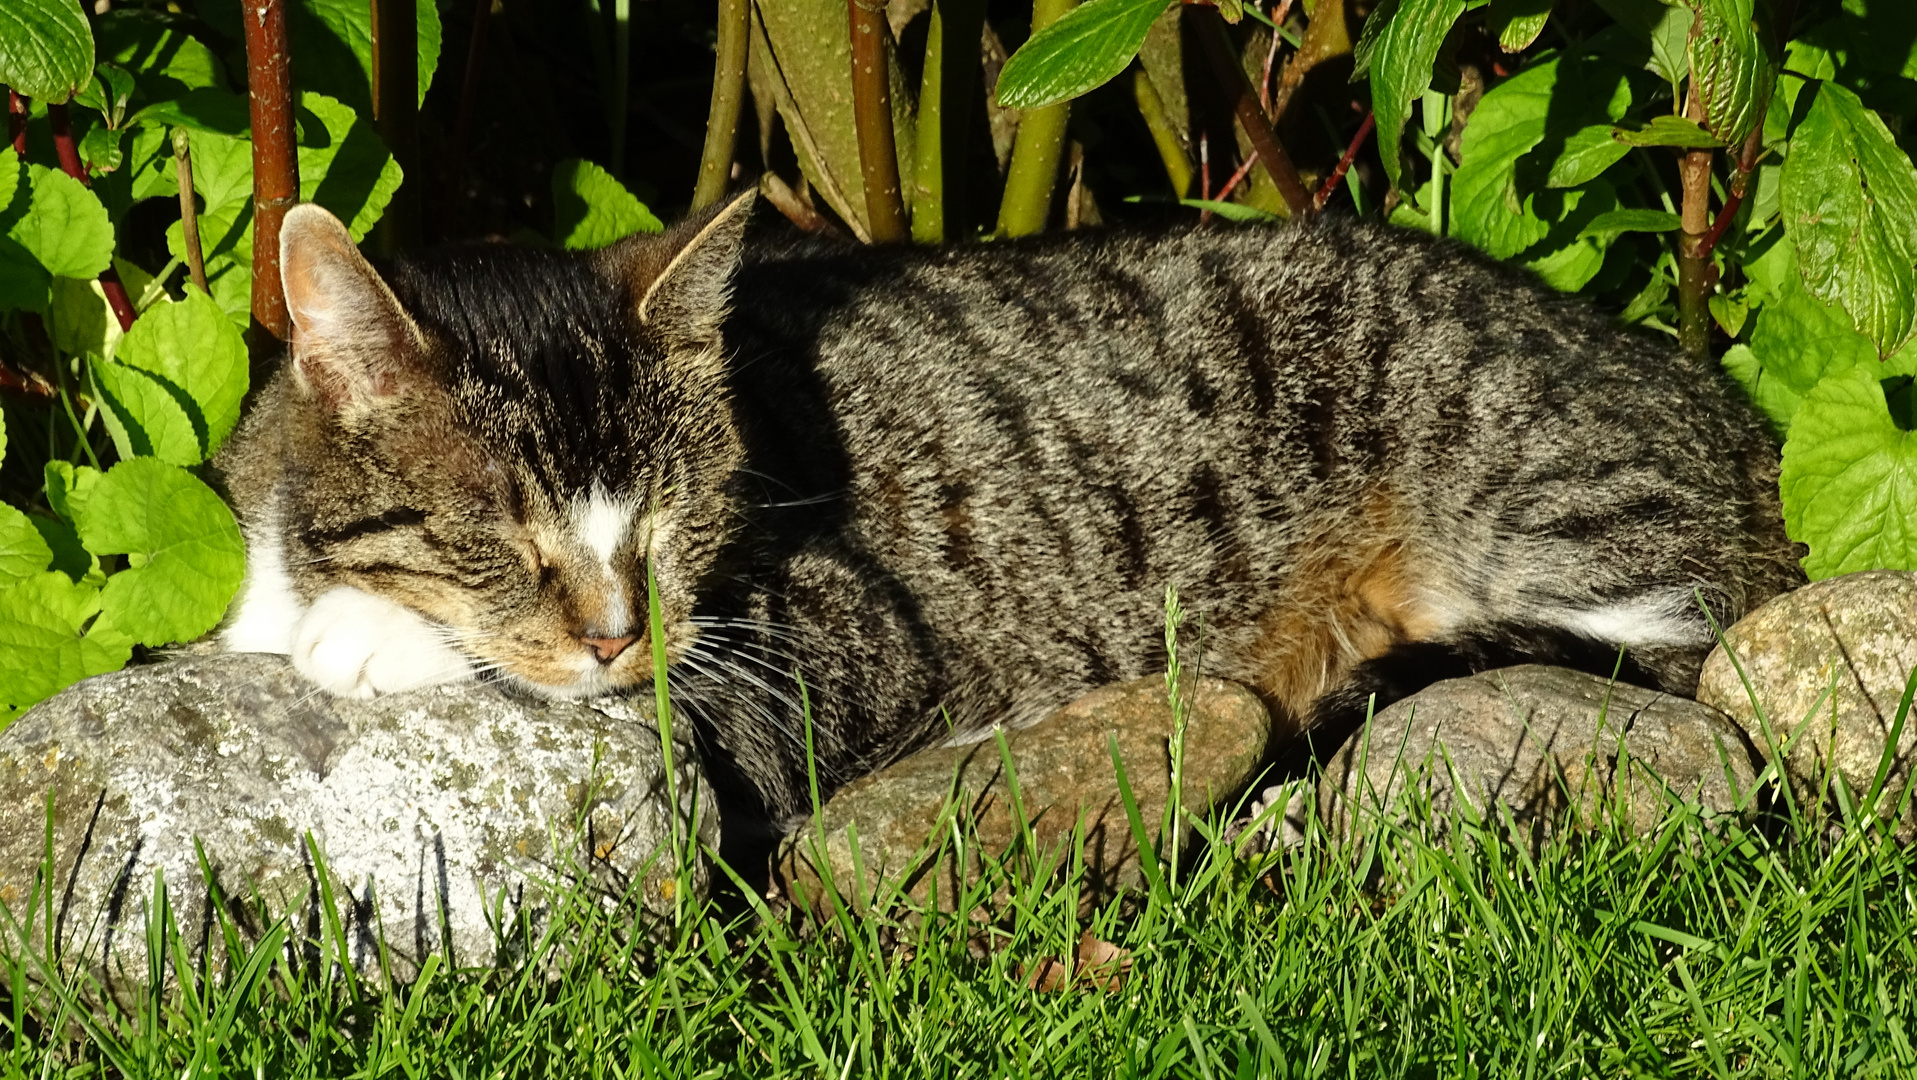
(58, 121)
(728, 91)
(872, 116)
(396, 110)
(276, 176)
(945, 116)
(1036, 150)
(17, 121)
(1152, 108)
(1220, 57)
(463, 126)
(1693, 260)
(1344, 163)
(189, 213)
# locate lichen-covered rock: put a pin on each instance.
(430, 809)
(1828, 664)
(1539, 740)
(1063, 767)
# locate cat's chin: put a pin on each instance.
(592, 685)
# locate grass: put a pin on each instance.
(1704, 947)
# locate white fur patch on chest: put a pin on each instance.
(268, 608)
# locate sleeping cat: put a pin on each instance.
(920, 492)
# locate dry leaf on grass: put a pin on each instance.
(1096, 965)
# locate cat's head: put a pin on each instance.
(506, 440)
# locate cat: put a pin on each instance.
(894, 496)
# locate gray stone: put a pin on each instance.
(1539, 740)
(432, 810)
(1064, 772)
(1828, 663)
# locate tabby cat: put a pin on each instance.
(946, 488)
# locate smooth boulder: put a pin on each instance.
(1828, 664)
(905, 816)
(1539, 741)
(430, 811)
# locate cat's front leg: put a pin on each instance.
(357, 645)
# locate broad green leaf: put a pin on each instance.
(1517, 23)
(69, 487)
(65, 228)
(185, 558)
(1667, 130)
(1850, 207)
(1797, 343)
(46, 48)
(152, 172)
(1615, 223)
(1499, 200)
(591, 209)
(166, 59)
(333, 48)
(344, 166)
(70, 556)
(1086, 48)
(1587, 152)
(1570, 256)
(41, 647)
(79, 320)
(1401, 39)
(13, 177)
(22, 552)
(205, 109)
(108, 93)
(24, 283)
(1664, 29)
(1230, 211)
(145, 416)
(100, 149)
(222, 169)
(193, 349)
(1732, 66)
(1850, 479)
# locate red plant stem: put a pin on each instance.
(1344, 163)
(30, 383)
(63, 145)
(17, 120)
(468, 100)
(1231, 185)
(1271, 55)
(1746, 163)
(872, 116)
(276, 176)
(1251, 116)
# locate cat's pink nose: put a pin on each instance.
(609, 648)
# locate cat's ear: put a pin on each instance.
(350, 335)
(681, 280)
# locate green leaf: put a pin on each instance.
(144, 415)
(65, 228)
(13, 177)
(41, 648)
(591, 209)
(1500, 202)
(205, 109)
(194, 350)
(1615, 223)
(1732, 66)
(167, 60)
(100, 149)
(343, 164)
(1798, 342)
(79, 320)
(1517, 23)
(184, 551)
(22, 552)
(1667, 130)
(1850, 206)
(1664, 29)
(1850, 479)
(222, 169)
(1084, 49)
(333, 48)
(1587, 152)
(1401, 40)
(108, 92)
(46, 48)
(1230, 211)
(69, 487)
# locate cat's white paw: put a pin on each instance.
(357, 645)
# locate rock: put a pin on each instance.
(1063, 766)
(1828, 663)
(430, 809)
(1510, 734)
